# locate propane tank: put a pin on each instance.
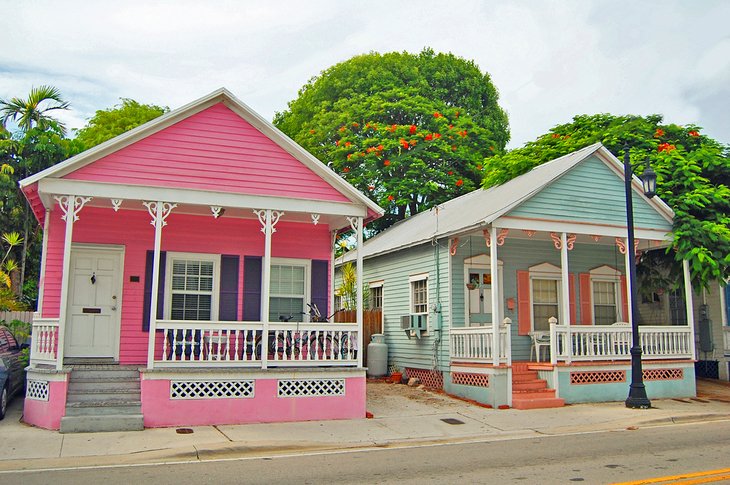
(377, 356)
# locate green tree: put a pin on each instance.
(111, 122)
(38, 143)
(693, 178)
(410, 131)
(34, 110)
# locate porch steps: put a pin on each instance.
(530, 392)
(103, 398)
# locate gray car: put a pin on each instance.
(12, 376)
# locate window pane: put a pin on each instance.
(286, 307)
(544, 302)
(419, 296)
(376, 297)
(604, 314)
(542, 314)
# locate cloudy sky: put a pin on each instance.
(550, 60)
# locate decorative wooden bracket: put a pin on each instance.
(71, 204)
(166, 210)
(500, 237)
(622, 246)
(529, 232)
(217, 211)
(275, 216)
(117, 204)
(454, 246)
(315, 219)
(558, 242)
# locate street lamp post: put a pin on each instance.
(637, 392)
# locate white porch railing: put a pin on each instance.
(726, 340)
(44, 341)
(591, 343)
(242, 344)
(476, 344)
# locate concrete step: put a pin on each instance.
(108, 372)
(537, 403)
(536, 384)
(103, 395)
(103, 408)
(533, 393)
(83, 384)
(95, 424)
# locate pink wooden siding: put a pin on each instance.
(183, 233)
(212, 150)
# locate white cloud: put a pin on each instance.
(549, 60)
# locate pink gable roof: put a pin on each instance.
(216, 150)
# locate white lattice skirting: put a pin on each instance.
(37, 390)
(310, 387)
(211, 389)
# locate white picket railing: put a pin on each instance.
(44, 341)
(476, 344)
(242, 344)
(726, 340)
(598, 342)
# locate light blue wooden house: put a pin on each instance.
(516, 295)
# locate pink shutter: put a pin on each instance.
(586, 306)
(624, 299)
(572, 301)
(523, 303)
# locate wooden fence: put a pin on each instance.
(22, 316)
(372, 322)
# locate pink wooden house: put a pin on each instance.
(238, 223)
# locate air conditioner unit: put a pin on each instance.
(413, 325)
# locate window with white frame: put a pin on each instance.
(419, 294)
(289, 289)
(191, 289)
(545, 295)
(605, 295)
(376, 295)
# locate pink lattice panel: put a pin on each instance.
(469, 379)
(429, 378)
(663, 374)
(597, 377)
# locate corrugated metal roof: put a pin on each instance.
(477, 208)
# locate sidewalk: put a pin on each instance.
(403, 416)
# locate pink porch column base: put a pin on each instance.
(160, 411)
(47, 414)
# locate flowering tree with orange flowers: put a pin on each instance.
(410, 131)
(693, 177)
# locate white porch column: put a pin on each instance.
(70, 205)
(496, 316)
(332, 274)
(689, 305)
(268, 219)
(723, 305)
(159, 211)
(359, 317)
(44, 251)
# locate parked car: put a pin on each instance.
(11, 369)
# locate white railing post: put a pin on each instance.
(553, 341)
(507, 322)
(44, 254)
(359, 280)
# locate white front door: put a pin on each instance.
(94, 299)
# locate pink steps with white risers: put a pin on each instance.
(529, 392)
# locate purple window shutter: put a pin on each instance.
(147, 300)
(320, 284)
(252, 288)
(228, 301)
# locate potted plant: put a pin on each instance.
(472, 285)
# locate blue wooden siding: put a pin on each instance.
(394, 270)
(520, 254)
(590, 192)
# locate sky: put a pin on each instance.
(550, 60)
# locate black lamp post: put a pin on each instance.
(637, 392)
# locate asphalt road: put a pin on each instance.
(605, 457)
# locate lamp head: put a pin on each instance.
(648, 180)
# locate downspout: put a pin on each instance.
(437, 307)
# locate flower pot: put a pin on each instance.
(471, 286)
(396, 377)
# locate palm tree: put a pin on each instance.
(33, 112)
(30, 113)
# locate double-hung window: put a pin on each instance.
(376, 295)
(605, 298)
(419, 294)
(545, 295)
(289, 289)
(192, 286)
